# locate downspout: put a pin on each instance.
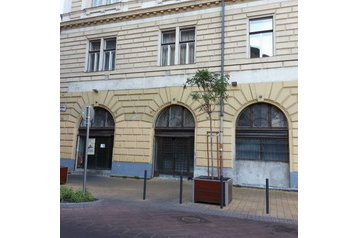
(221, 139)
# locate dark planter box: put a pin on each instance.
(208, 190)
(63, 175)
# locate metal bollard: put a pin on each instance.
(221, 192)
(267, 197)
(181, 190)
(145, 184)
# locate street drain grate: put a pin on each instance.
(192, 219)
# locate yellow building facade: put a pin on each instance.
(130, 60)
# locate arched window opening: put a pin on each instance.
(262, 134)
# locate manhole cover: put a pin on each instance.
(192, 219)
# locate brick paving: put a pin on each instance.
(128, 219)
(122, 212)
(247, 203)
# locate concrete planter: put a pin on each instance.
(208, 190)
(63, 175)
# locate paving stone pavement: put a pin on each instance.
(127, 219)
(122, 212)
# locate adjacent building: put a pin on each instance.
(129, 59)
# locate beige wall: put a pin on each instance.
(138, 49)
(135, 112)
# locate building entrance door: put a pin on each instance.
(174, 142)
(100, 146)
(175, 156)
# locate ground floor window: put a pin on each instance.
(262, 134)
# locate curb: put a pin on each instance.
(80, 204)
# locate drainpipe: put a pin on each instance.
(221, 139)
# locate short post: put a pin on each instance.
(181, 190)
(221, 192)
(145, 184)
(267, 197)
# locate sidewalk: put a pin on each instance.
(248, 203)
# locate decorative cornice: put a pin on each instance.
(143, 13)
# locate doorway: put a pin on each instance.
(100, 146)
(174, 142)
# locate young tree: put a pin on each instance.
(211, 89)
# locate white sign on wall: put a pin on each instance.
(91, 146)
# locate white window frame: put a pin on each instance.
(177, 46)
(253, 18)
(101, 66)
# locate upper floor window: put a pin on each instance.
(178, 50)
(101, 55)
(168, 47)
(261, 37)
(96, 3)
(187, 45)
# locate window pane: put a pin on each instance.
(266, 44)
(261, 45)
(172, 54)
(113, 55)
(106, 60)
(95, 45)
(275, 150)
(245, 118)
(175, 116)
(187, 35)
(96, 3)
(260, 115)
(188, 119)
(260, 25)
(277, 118)
(164, 55)
(247, 149)
(168, 37)
(110, 44)
(111, 1)
(191, 52)
(163, 118)
(182, 53)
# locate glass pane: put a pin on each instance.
(164, 55)
(277, 118)
(95, 45)
(110, 44)
(188, 119)
(106, 60)
(245, 118)
(266, 44)
(187, 35)
(275, 150)
(163, 118)
(261, 45)
(260, 25)
(168, 37)
(111, 1)
(182, 53)
(191, 53)
(113, 55)
(247, 149)
(260, 115)
(176, 116)
(172, 54)
(96, 3)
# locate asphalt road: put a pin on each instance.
(127, 219)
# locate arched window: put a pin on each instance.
(262, 134)
(175, 117)
(102, 119)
